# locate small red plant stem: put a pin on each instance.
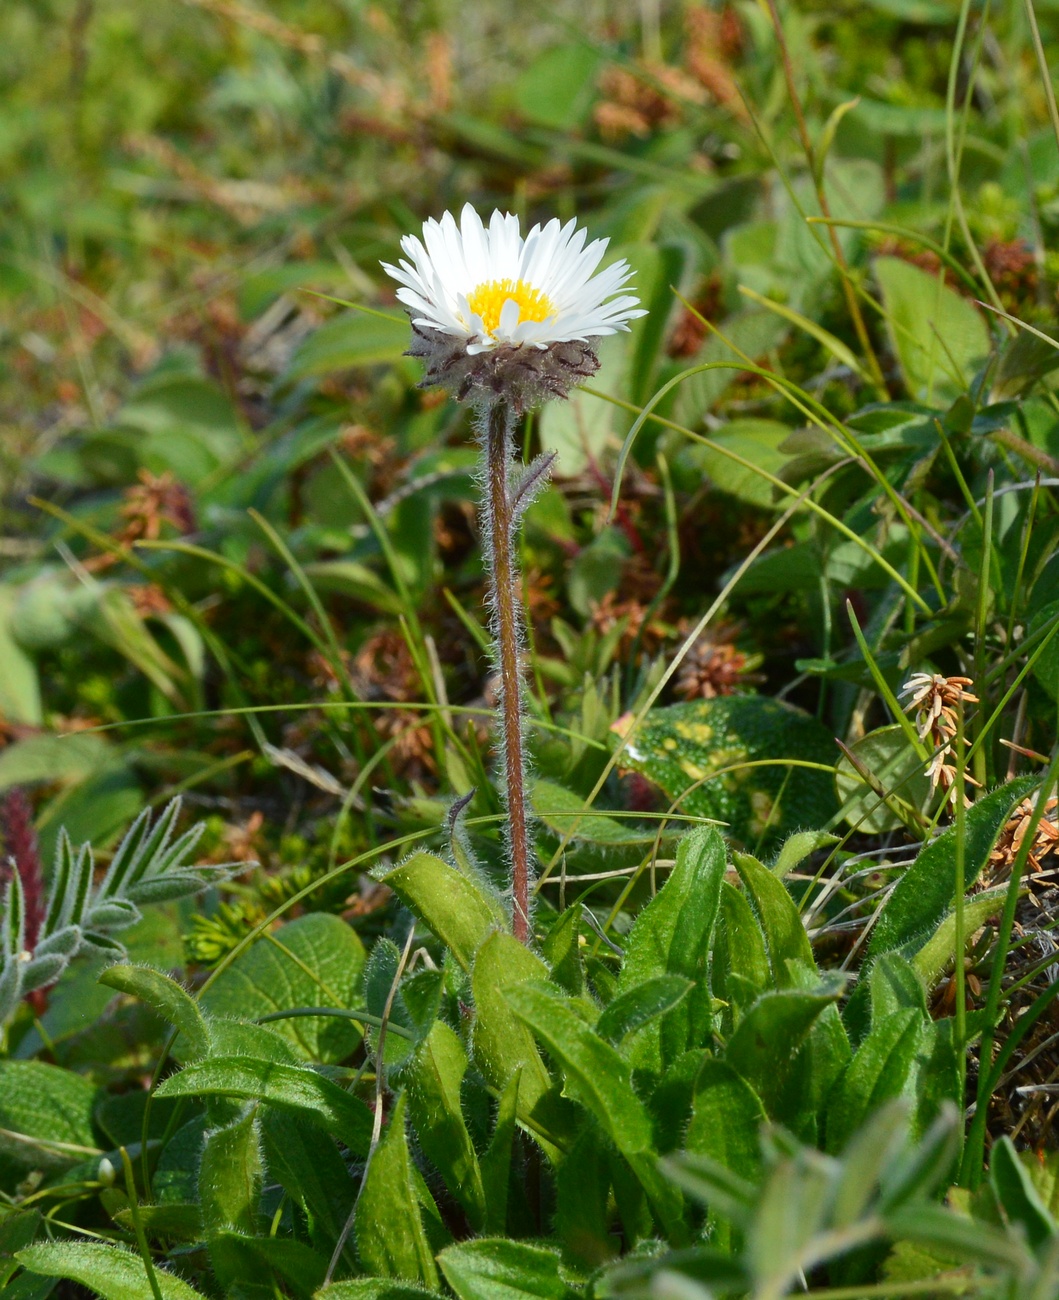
(19, 843)
(507, 631)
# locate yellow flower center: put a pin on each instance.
(488, 301)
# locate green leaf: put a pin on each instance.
(496, 1162)
(373, 1288)
(48, 758)
(752, 332)
(726, 1120)
(940, 339)
(1018, 1197)
(596, 1076)
(879, 1071)
(757, 441)
(780, 922)
(287, 1087)
(896, 767)
(499, 1269)
(927, 888)
(562, 950)
(348, 341)
(640, 1005)
(582, 1210)
(311, 1172)
(940, 948)
(167, 998)
(242, 1258)
(459, 911)
(314, 961)
(17, 1230)
(697, 754)
(765, 1043)
(110, 1271)
(502, 1044)
(565, 813)
(671, 936)
(434, 1082)
(740, 971)
(388, 1225)
(557, 89)
(797, 847)
(230, 1176)
(45, 1115)
(19, 685)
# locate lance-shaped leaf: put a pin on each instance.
(167, 998)
(458, 910)
(672, 937)
(110, 1271)
(499, 1269)
(504, 1047)
(434, 1081)
(595, 1075)
(288, 1087)
(388, 1225)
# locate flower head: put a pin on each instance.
(494, 314)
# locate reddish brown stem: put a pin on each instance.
(507, 631)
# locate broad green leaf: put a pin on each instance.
(641, 1004)
(499, 1269)
(764, 1045)
(287, 1087)
(180, 1220)
(311, 962)
(434, 1080)
(51, 759)
(697, 754)
(926, 890)
(780, 922)
(350, 578)
(388, 1226)
(671, 936)
(459, 911)
(790, 1211)
(165, 996)
(231, 1173)
(110, 1271)
(596, 1076)
(502, 1044)
(45, 1115)
(940, 339)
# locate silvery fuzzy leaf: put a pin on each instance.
(63, 943)
(112, 914)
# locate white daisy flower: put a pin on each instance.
(476, 291)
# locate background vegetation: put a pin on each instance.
(789, 1018)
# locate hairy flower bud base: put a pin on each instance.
(521, 375)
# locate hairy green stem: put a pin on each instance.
(500, 521)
